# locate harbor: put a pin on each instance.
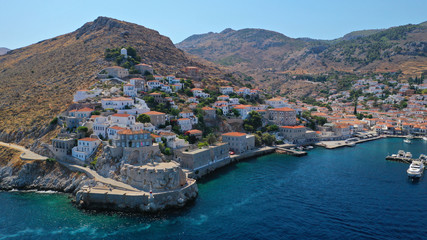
(406, 157)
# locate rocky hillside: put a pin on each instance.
(265, 54)
(4, 50)
(38, 81)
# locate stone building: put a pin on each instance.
(282, 116)
(204, 159)
(142, 68)
(63, 146)
(132, 139)
(156, 118)
(116, 71)
(85, 147)
(239, 142)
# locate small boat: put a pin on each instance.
(425, 138)
(408, 155)
(401, 153)
(351, 144)
(422, 157)
(407, 141)
(416, 169)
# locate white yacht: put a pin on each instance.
(407, 140)
(401, 153)
(416, 169)
(425, 138)
(408, 155)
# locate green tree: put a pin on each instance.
(82, 129)
(268, 139)
(143, 118)
(254, 120)
(211, 138)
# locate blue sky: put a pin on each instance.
(27, 22)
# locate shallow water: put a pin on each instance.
(350, 193)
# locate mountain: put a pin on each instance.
(38, 81)
(4, 50)
(266, 55)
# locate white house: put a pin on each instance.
(122, 119)
(85, 147)
(185, 124)
(190, 115)
(198, 92)
(223, 98)
(276, 103)
(153, 84)
(233, 101)
(226, 90)
(243, 110)
(80, 113)
(100, 126)
(192, 100)
(116, 103)
(129, 90)
(112, 131)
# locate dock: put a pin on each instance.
(343, 143)
(406, 157)
(290, 152)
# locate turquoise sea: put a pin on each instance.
(347, 193)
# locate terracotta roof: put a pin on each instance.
(292, 127)
(130, 132)
(196, 89)
(167, 134)
(207, 108)
(234, 134)
(83, 110)
(89, 139)
(153, 113)
(183, 119)
(155, 136)
(136, 79)
(117, 128)
(194, 131)
(283, 109)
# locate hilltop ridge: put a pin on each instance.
(258, 52)
(38, 81)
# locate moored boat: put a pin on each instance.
(416, 169)
(425, 138)
(407, 141)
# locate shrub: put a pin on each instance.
(54, 121)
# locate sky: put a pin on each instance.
(26, 22)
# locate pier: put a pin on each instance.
(406, 157)
(343, 143)
(291, 152)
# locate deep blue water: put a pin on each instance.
(347, 193)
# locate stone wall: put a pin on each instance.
(157, 176)
(103, 198)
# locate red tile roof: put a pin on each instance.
(154, 113)
(283, 109)
(234, 134)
